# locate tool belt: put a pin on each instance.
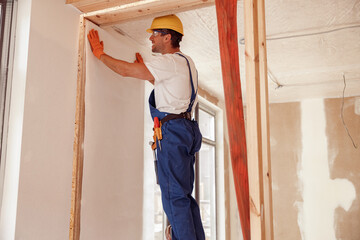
(185, 115)
(157, 129)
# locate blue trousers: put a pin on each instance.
(181, 140)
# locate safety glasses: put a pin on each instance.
(157, 32)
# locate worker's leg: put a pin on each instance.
(176, 171)
(195, 210)
(200, 234)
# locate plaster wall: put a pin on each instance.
(112, 196)
(315, 170)
(45, 162)
(344, 162)
(41, 135)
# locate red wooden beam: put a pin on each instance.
(226, 11)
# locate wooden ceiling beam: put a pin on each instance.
(87, 6)
(143, 9)
(130, 9)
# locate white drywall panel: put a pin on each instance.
(321, 194)
(44, 192)
(112, 195)
(315, 170)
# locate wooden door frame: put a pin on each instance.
(257, 114)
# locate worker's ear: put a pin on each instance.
(167, 38)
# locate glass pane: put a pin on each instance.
(207, 189)
(207, 125)
(158, 215)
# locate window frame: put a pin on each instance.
(7, 47)
(212, 143)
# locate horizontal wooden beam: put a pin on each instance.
(131, 9)
(143, 9)
(87, 6)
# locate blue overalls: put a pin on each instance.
(181, 139)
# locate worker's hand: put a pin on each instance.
(97, 47)
(139, 58)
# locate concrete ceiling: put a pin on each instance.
(311, 46)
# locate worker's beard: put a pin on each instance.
(157, 48)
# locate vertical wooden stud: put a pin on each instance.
(78, 157)
(265, 125)
(258, 121)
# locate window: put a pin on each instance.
(6, 12)
(205, 171)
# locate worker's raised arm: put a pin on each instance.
(126, 69)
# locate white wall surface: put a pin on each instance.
(49, 69)
(112, 194)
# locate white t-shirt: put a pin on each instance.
(172, 82)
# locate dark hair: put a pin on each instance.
(176, 37)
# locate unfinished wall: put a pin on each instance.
(44, 191)
(316, 185)
(112, 201)
(113, 149)
(285, 144)
(344, 161)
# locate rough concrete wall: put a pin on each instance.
(44, 194)
(315, 170)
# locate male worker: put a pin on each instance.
(174, 96)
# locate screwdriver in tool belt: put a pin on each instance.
(151, 143)
(157, 130)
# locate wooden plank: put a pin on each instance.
(265, 125)
(143, 9)
(258, 121)
(226, 11)
(86, 6)
(252, 85)
(78, 156)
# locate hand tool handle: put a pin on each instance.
(156, 122)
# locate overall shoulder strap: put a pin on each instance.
(193, 92)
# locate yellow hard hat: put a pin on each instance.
(167, 22)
